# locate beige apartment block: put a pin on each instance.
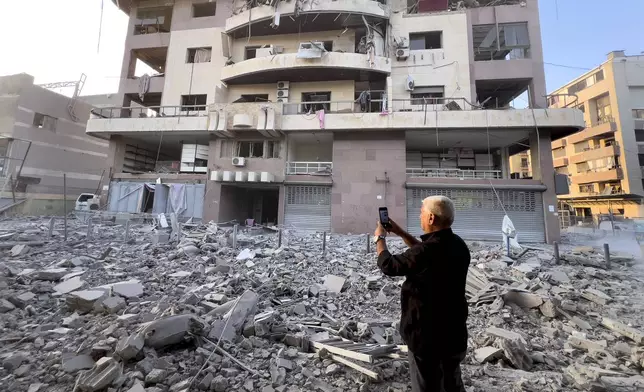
(42, 138)
(313, 114)
(605, 160)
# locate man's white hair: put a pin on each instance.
(442, 208)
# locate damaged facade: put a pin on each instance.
(604, 161)
(314, 114)
(42, 137)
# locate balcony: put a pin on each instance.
(559, 162)
(331, 66)
(559, 143)
(262, 15)
(185, 119)
(589, 155)
(596, 130)
(453, 173)
(132, 85)
(409, 114)
(311, 168)
(598, 176)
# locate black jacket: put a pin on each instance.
(434, 308)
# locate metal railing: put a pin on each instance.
(311, 107)
(318, 168)
(453, 173)
(599, 121)
(432, 104)
(151, 111)
(167, 167)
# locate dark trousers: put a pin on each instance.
(430, 373)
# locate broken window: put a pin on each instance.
(510, 41)
(273, 149)
(427, 95)
(638, 113)
(312, 102)
(193, 102)
(152, 20)
(252, 98)
(250, 149)
(250, 52)
(428, 40)
(204, 9)
(604, 112)
(44, 121)
(328, 46)
(199, 55)
(586, 188)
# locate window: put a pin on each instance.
(193, 102)
(252, 98)
(44, 121)
(428, 40)
(312, 102)
(638, 113)
(328, 46)
(639, 135)
(250, 149)
(604, 113)
(640, 157)
(589, 81)
(559, 152)
(510, 41)
(204, 9)
(199, 55)
(561, 170)
(524, 162)
(586, 188)
(226, 149)
(152, 20)
(250, 52)
(273, 149)
(427, 95)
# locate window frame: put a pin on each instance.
(196, 106)
(44, 121)
(414, 37)
(191, 55)
(212, 4)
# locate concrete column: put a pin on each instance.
(116, 154)
(280, 206)
(211, 201)
(505, 162)
(543, 170)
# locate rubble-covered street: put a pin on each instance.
(140, 314)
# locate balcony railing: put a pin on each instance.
(313, 168)
(311, 107)
(600, 121)
(432, 104)
(453, 173)
(151, 111)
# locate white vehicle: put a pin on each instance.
(87, 202)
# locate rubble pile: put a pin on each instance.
(115, 312)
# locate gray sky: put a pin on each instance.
(56, 40)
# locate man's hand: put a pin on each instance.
(379, 230)
(395, 228)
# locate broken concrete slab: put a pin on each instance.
(128, 289)
(487, 354)
(171, 330)
(84, 301)
(73, 363)
(624, 330)
(51, 274)
(105, 371)
(505, 334)
(129, 347)
(70, 285)
(523, 298)
(14, 360)
(516, 352)
(19, 250)
(113, 305)
(6, 306)
(596, 296)
(334, 283)
(246, 254)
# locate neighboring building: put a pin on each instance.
(520, 165)
(49, 130)
(605, 161)
(314, 114)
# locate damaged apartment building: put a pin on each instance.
(311, 114)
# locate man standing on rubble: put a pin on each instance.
(434, 308)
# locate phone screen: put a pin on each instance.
(384, 217)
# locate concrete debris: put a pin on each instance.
(150, 314)
(19, 250)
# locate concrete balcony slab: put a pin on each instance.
(266, 12)
(560, 162)
(593, 131)
(271, 69)
(589, 155)
(602, 176)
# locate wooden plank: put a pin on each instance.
(365, 371)
(343, 352)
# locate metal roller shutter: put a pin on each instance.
(479, 215)
(308, 207)
(125, 196)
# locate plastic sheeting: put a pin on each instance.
(178, 198)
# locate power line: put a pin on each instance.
(567, 66)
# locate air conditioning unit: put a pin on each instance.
(402, 53)
(239, 161)
(283, 85)
(282, 100)
(264, 52)
(310, 50)
(278, 49)
(409, 84)
(282, 93)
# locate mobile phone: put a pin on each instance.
(384, 217)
